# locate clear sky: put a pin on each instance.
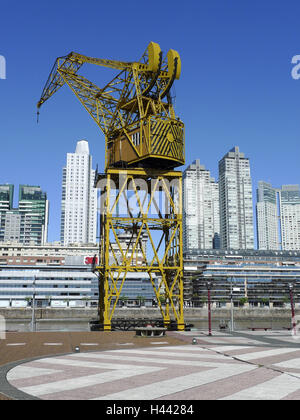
(236, 86)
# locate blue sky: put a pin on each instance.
(236, 86)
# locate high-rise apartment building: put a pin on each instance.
(29, 222)
(290, 217)
(236, 203)
(34, 212)
(278, 217)
(267, 217)
(79, 198)
(201, 226)
(6, 203)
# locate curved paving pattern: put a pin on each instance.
(219, 367)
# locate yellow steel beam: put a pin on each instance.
(166, 263)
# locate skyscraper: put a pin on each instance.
(236, 204)
(290, 217)
(79, 198)
(267, 217)
(278, 217)
(6, 203)
(34, 212)
(29, 222)
(201, 225)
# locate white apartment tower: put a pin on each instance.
(236, 203)
(201, 225)
(267, 218)
(278, 217)
(79, 198)
(290, 217)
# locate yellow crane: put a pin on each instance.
(141, 192)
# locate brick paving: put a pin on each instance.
(120, 366)
(19, 346)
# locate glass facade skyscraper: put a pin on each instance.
(29, 222)
(6, 203)
(34, 211)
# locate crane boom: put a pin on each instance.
(130, 108)
(73, 61)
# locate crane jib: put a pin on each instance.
(124, 106)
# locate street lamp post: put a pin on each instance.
(231, 308)
(291, 288)
(33, 322)
(209, 285)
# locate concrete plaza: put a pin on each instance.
(248, 365)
